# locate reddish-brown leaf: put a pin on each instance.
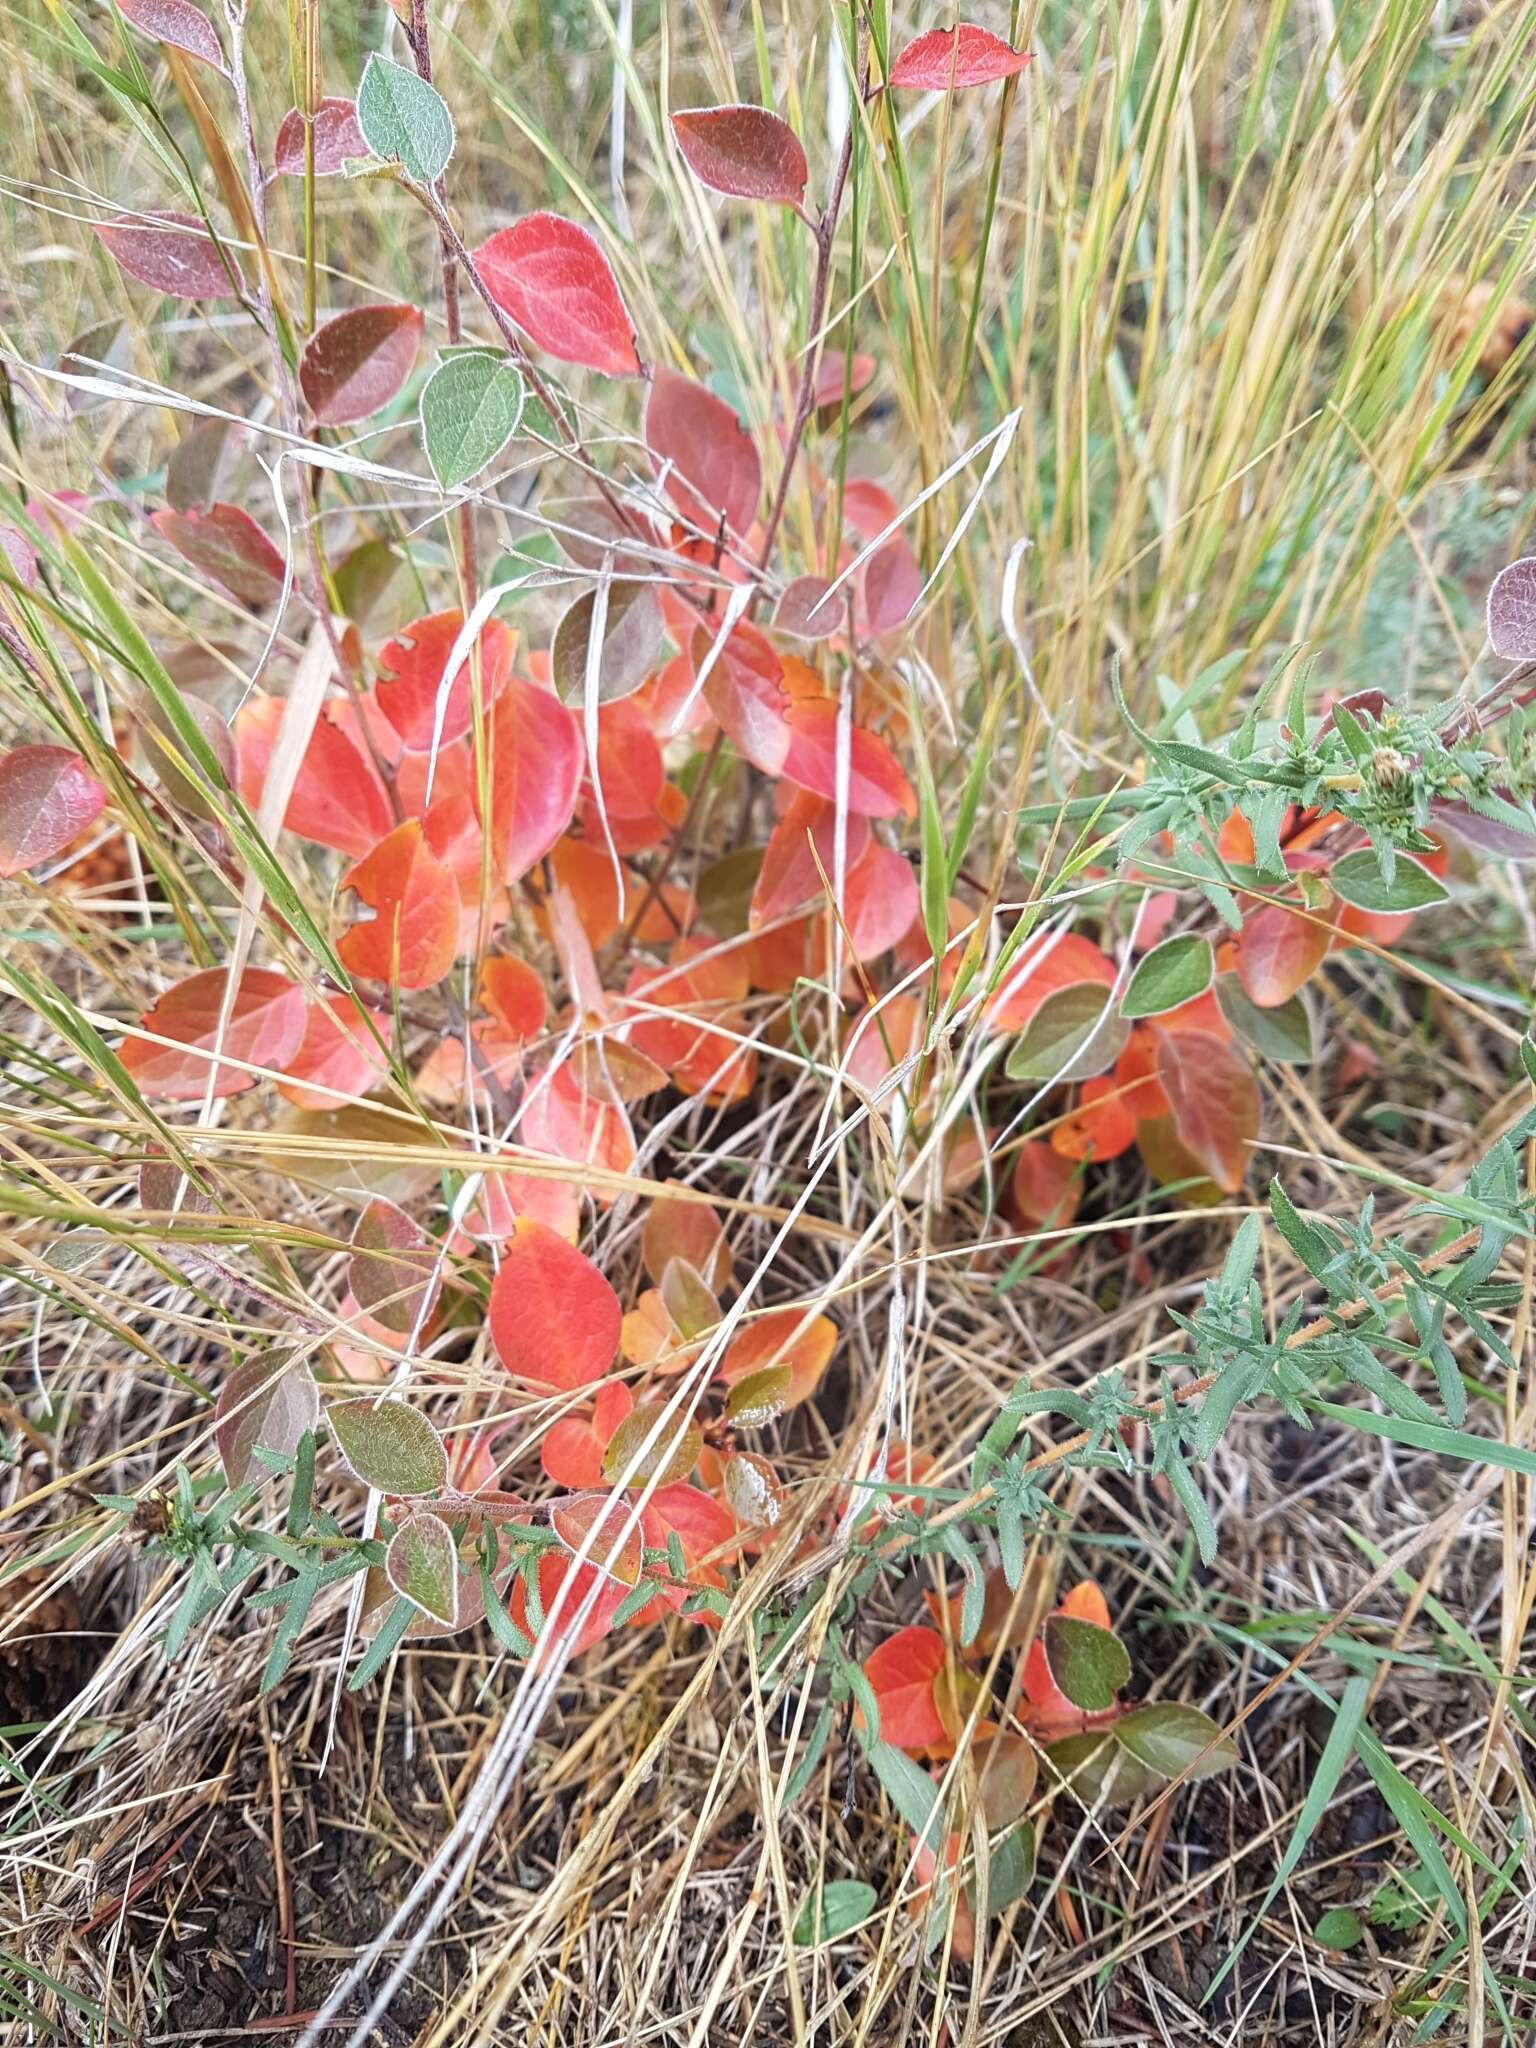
(745, 152)
(714, 468)
(964, 55)
(411, 669)
(801, 612)
(339, 1057)
(1045, 1188)
(357, 362)
(20, 555)
(338, 799)
(226, 544)
(745, 690)
(264, 1029)
(903, 1673)
(1215, 1101)
(47, 798)
(394, 1269)
(551, 278)
(536, 761)
(413, 935)
(677, 1228)
(604, 1530)
(892, 582)
(171, 252)
(337, 137)
(1047, 965)
(554, 1319)
(178, 23)
(877, 787)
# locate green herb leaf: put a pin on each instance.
(404, 119)
(1173, 973)
(471, 406)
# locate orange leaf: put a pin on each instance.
(411, 669)
(513, 993)
(572, 1448)
(1215, 1102)
(1045, 1188)
(1100, 1127)
(1048, 964)
(903, 1674)
(265, 1028)
(784, 1336)
(338, 799)
(339, 1058)
(414, 933)
(1277, 951)
(554, 1319)
(677, 1228)
(877, 787)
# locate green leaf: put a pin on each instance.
(1010, 1868)
(1282, 1033)
(405, 119)
(1171, 1738)
(1074, 1033)
(758, 1397)
(1359, 880)
(651, 1445)
(471, 406)
(1175, 972)
(1094, 1768)
(910, 1790)
(832, 1910)
(391, 1447)
(1089, 1663)
(1339, 1928)
(422, 1566)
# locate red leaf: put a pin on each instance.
(356, 363)
(514, 995)
(1215, 1101)
(265, 1027)
(571, 1451)
(567, 1124)
(337, 137)
(892, 583)
(557, 1571)
(554, 1319)
(536, 760)
(411, 670)
(338, 1058)
(337, 800)
(1045, 1189)
(964, 55)
(802, 613)
(1047, 965)
(745, 152)
(832, 372)
(1101, 1127)
(552, 279)
(179, 23)
(414, 933)
(714, 464)
(677, 1228)
(702, 1525)
(47, 798)
(903, 1673)
(172, 252)
(228, 545)
(877, 787)
(745, 690)
(1278, 950)
(881, 901)
(629, 764)
(788, 877)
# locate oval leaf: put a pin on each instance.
(178, 23)
(745, 152)
(1087, 1662)
(47, 798)
(1215, 1102)
(1173, 1739)
(413, 935)
(963, 55)
(266, 1403)
(554, 1319)
(1512, 611)
(226, 544)
(603, 1530)
(404, 119)
(1357, 877)
(172, 253)
(757, 1398)
(422, 1565)
(1175, 972)
(1283, 1032)
(1074, 1033)
(356, 363)
(630, 1461)
(390, 1447)
(833, 1910)
(712, 466)
(394, 1268)
(265, 1028)
(471, 406)
(338, 140)
(551, 278)
(631, 642)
